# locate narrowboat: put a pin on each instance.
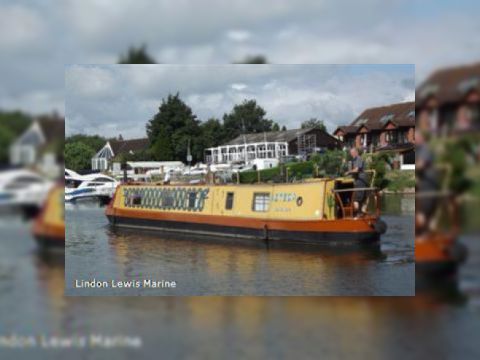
(438, 250)
(49, 226)
(315, 211)
(438, 253)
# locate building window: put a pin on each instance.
(229, 201)
(261, 201)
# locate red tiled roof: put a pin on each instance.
(401, 114)
(127, 146)
(450, 85)
(53, 128)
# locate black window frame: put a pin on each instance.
(229, 200)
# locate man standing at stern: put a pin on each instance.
(357, 170)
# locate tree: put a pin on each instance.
(137, 56)
(284, 128)
(248, 117)
(95, 142)
(172, 128)
(12, 125)
(78, 156)
(212, 133)
(275, 127)
(315, 124)
(6, 139)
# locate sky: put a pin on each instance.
(109, 100)
(39, 38)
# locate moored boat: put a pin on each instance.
(438, 253)
(89, 187)
(317, 211)
(49, 226)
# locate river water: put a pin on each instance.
(440, 322)
(237, 267)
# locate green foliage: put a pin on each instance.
(78, 156)
(455, 156)
(212, 133)
(6, 139)
(248, 117)
(315, 124)
(172, 128)
(95, 142)
(79, 150)
(162, 148)
(330, 163)
(296, 171)
(380, 162)
(12, 125)
(15, 122)
(400, 180)
(137, 56)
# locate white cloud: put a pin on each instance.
(238, 35)
(238, 86)
(21, 28)
(290, 94)
(38, 38)
(97, 82)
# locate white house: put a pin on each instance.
(36, 146)
(102, 160)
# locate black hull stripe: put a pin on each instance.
(239, 232)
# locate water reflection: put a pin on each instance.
(209, 266)
(272, 327)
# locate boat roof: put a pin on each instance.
(89, 177)
(8, 175)
(154, 164)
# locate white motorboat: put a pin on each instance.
(89, 187)
(23, 190)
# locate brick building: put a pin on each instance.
(448, 101)
(384, 128)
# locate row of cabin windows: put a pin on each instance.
(168, 200)
(260, 203)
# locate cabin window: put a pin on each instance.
(229, 201)
(137, 200)
(261, 201)
(192, 197)
(167, 200)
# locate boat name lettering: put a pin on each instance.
(284, 196)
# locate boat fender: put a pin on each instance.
(380, 226)
(458, 252)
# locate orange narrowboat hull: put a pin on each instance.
(48, 235)
(438, 254)
(49, 226)
(344, 230)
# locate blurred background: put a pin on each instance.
(440, 37)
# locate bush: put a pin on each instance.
(331, 163)
(296, 171)
(399, 180)
(380, 162)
